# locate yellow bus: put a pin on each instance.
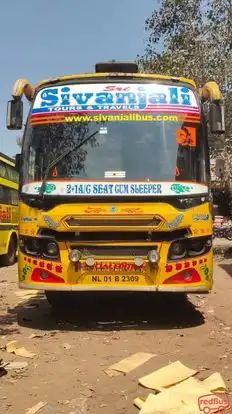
(9, 210)
(114, 182)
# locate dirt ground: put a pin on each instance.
(74, 347)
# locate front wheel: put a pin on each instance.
(10, 258)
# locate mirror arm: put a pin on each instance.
(210, 92)
(22, 87)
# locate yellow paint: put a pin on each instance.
(210, 91)
(70, 218)
(103, 75)
(115, 278)
(9, 213)
(22, 86)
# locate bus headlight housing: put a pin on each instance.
(177, 251)
(188, 248)
(41, 247)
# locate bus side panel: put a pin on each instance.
(9, 216)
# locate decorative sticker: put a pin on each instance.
(55, 267)
(95, 210)
(131, 210)
(85, 188)
(51, 223)
(186, 137)
(206, 272)
(103, 130)
(200, 217)
(175, 222)
(28, 219)
(102, 97)
(5, 214)
(49, 188)
(25, 271)
(114, 267)
(184, 265)
(115, 174)
(182, 189)
(54, 172)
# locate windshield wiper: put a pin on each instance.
(58, 159)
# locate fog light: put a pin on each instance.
(52, 249)
(90, 261)
(43, 275)
(153, 256)
(75, 255)
(187, 276)
(139, 261)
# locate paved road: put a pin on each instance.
(73, 348)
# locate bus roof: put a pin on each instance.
(115, 75)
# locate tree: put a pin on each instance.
(19, 141)
(196, 41)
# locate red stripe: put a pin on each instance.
(63, 114)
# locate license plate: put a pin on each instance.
(114, 280)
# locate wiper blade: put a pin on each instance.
(58, 159)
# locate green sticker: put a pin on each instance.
(49, 188)
(180, 188)
(205, 269)
(25, 271)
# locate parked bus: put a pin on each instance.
(9, 210)
(114, 182)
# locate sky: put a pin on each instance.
(48, 38)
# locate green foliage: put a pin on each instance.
(195, 38)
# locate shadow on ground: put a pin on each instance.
(7, 324)
(2, 264)
(97, 311)
(227, 267)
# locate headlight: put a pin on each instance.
(31, 246)
(90, 261)
(75, 255)
(197, 248)
(51, 249)
(177, 251)
(153, 256)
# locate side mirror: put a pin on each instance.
(18, 162)
(217, 118)
(14, 119)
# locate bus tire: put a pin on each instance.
(10, 258)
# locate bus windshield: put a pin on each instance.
(135, 140)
